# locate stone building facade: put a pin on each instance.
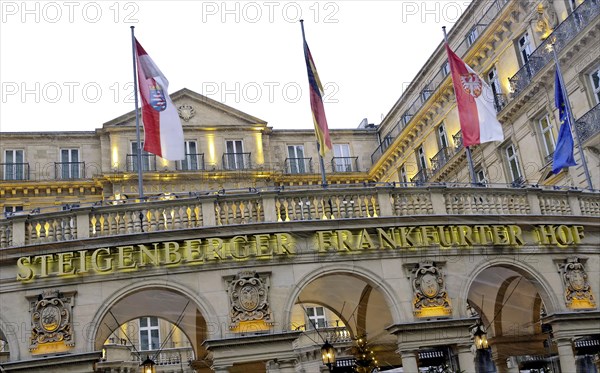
(238, 259)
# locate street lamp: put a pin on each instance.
(480, 337)
(148, 366)
(328, 355)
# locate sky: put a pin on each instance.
(67, 65)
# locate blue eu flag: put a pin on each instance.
(563, 155)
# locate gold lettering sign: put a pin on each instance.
(269, 246)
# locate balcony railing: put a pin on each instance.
(181, 356)
(564, 33)
(441, 158)
(589, 124)
(298, 166)
(236, 161)
(15, 171)
(422, 176)
(69, 170)
(500, 101)
(431, 86)
(358, 201)
(148, 162)
(344, 164)
(192, 162)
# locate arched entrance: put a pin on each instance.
(349, 310)
(158, 322)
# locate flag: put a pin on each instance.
(475, 102)
(563, 154)
(316, 103)
(163, 134)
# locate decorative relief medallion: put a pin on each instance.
(248, 298)
(430, 297)
(578, 292)
(51, 319)
(186, 112)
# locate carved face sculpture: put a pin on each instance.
(577, 279)
(429, 285)
(249, 298)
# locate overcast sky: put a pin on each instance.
(67, 65)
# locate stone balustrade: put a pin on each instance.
(289, 205)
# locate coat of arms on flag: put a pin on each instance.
(471, 83)
(157, 98)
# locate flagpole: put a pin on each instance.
(467, 149)
(563, 88)
(137, 120)
(321, 161)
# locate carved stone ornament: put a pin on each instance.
(546, 18)
(51, 319)
(430, 297)
(578, 292)
(249, 298)
(186, 112)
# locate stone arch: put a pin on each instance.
(542, 285)
(213, 328)
(371, 278)
(10, 335)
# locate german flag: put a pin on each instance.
(316, 101)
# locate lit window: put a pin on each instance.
(524, 46)
(442, 137)
(422, 161)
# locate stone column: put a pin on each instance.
(565, 355)
(409, 361)
(466, 358)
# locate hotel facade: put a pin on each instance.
(238, 259)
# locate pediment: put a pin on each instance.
(197, 110)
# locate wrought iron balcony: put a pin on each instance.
(422, 176)
(192, 162)
(438, 79)
(564, 33)
(69, 170)
(441, 158)
(589, 124)
(236, 161)
(500, 101)
(15, 171)
(148, 162)
(344, 164)
(298, 166)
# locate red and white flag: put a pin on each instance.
(163, 134)
(475, 101)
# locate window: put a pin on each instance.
(316, 317)
(442, 137)
(234, 156)
(480, 176)
(547, 136)
(14, 168)
(148, 159)
(445, 68)
(421, 160)
(402, 174)
(426, 93)
(573, 4)
(69, 163)
(10, 210)
(406, 118)
(494, 82)
(512, 160)
(524, 46)
(191, 161)
(69, 206)
(342, 161)
(595, 80)
(149, 334)
(472, 36)
(296, 159)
